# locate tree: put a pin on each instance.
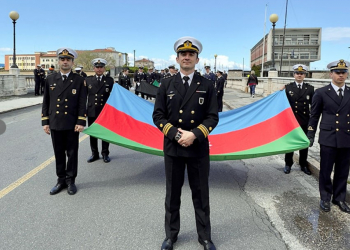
(85, 57)
(257, 69)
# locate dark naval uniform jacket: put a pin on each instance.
(220, 82)
(138, 77)
(97, 94)
(195, 110)
(210, 76)
(124, 81)
(300, 101)
(335, 122)
(150, 77)
(64, 103)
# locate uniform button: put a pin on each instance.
(102, 100)
(95, 99)
(348, 115)
(304, 112)
(296, 111)
(192, 121)
(58, 100)
(57, 112)
(337, 129)
(296, 106)
(161, 125)
(66, 106)
(181, 111)
(337, 114)
(95, 103)
(192, 112)
(58, 105)
(101, 104)
(304, 102)
(65, 113)
(210, 128)
(101, 95)
(180, 120)
(296, 102)
(348, 122)
(96, 95)
(336, 122)
(66, 100)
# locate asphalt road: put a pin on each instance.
(120, 205)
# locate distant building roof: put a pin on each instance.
(143, 60)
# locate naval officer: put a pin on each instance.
(333, 103)
(64, 116)
(186, 112)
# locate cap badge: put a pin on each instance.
(300, 68)
(98, 61)
(341, 64)
(65, 52)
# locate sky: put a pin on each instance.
(228, 28)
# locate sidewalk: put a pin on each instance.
(232, 99)
(9, 103)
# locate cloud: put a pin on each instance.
(2, 50)
(335, 34)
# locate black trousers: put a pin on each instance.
(42, 85)
(288, 158)
(37, 85)
(220, 104)
(340, 159)
(66, 143)
(198, 175)
(93, 141)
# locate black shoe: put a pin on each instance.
(106, 158)
(58, 188)
(167, 244)
(342, 206)
(72, 189)
(287, 169)
(306, 170)
(207, 244)
(325, 206)
(93, 158)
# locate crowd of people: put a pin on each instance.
(186, 111)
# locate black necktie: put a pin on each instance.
(299, 86)
(64, 78)
(186, 78)
(99, 79)
(340, 93)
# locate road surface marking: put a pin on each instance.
(33, 172)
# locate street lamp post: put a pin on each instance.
(14, 16)
(273, 20)
(215, 63)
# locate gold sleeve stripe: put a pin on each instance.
(44, 118)
(204, 130)
(82, 118)
(166, 128)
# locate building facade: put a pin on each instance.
(300, 46)
(28, 62)
(144, 63)
(48, 59)
(25, 62)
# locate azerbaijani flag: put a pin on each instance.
(265, 127)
